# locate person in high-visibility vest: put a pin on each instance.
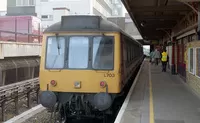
(164, 60)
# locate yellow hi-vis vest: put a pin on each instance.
(164, 56)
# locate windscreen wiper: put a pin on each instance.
(58, 44)
(58, 47)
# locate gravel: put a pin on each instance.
(42, 117)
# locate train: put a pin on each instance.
(86, 63)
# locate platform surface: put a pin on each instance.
(160, 97)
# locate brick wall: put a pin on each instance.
(192, 80)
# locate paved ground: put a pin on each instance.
(161, 98)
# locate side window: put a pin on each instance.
(191, 60)
(197, 62)
(103, 53)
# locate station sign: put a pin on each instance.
(154, 42)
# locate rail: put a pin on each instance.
(20, 36)
(20, 33)
(14, 92)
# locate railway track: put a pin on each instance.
(16, 93)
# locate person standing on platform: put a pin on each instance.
(164, 60)
(156, 56)
(152, 56)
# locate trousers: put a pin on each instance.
(156, 60)
(164, 65)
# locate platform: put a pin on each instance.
(159, 97)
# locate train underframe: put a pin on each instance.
(82, 106)
(78, 108)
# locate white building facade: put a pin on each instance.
(50, 11)
(2, 13)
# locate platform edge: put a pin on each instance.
(26, 115)
(123, 108)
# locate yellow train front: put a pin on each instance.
(86, 63)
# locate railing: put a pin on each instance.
(14, 92)
(20, 29)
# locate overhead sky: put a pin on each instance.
(3, 5)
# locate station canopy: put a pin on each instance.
(152, 16)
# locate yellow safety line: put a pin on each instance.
(151, 108)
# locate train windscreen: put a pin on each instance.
(80, 52)
(103, 53)
(55, 52)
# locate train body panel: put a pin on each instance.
(89, 78)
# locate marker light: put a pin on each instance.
(53, 83)
(77, 84)
(102, 84)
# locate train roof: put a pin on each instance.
(85, 23)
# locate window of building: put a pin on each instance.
(50, 16)
(198, 62)
(19, 2)
(32, 2)
(25, 2)
(44, 0)
(46, 17)
(101, 9)
(191, 60)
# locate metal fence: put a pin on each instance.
(20, 30)
(15, 92)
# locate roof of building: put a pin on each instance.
(153, 18)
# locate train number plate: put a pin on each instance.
(109, 75)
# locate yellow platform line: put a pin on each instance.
(151, 107)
